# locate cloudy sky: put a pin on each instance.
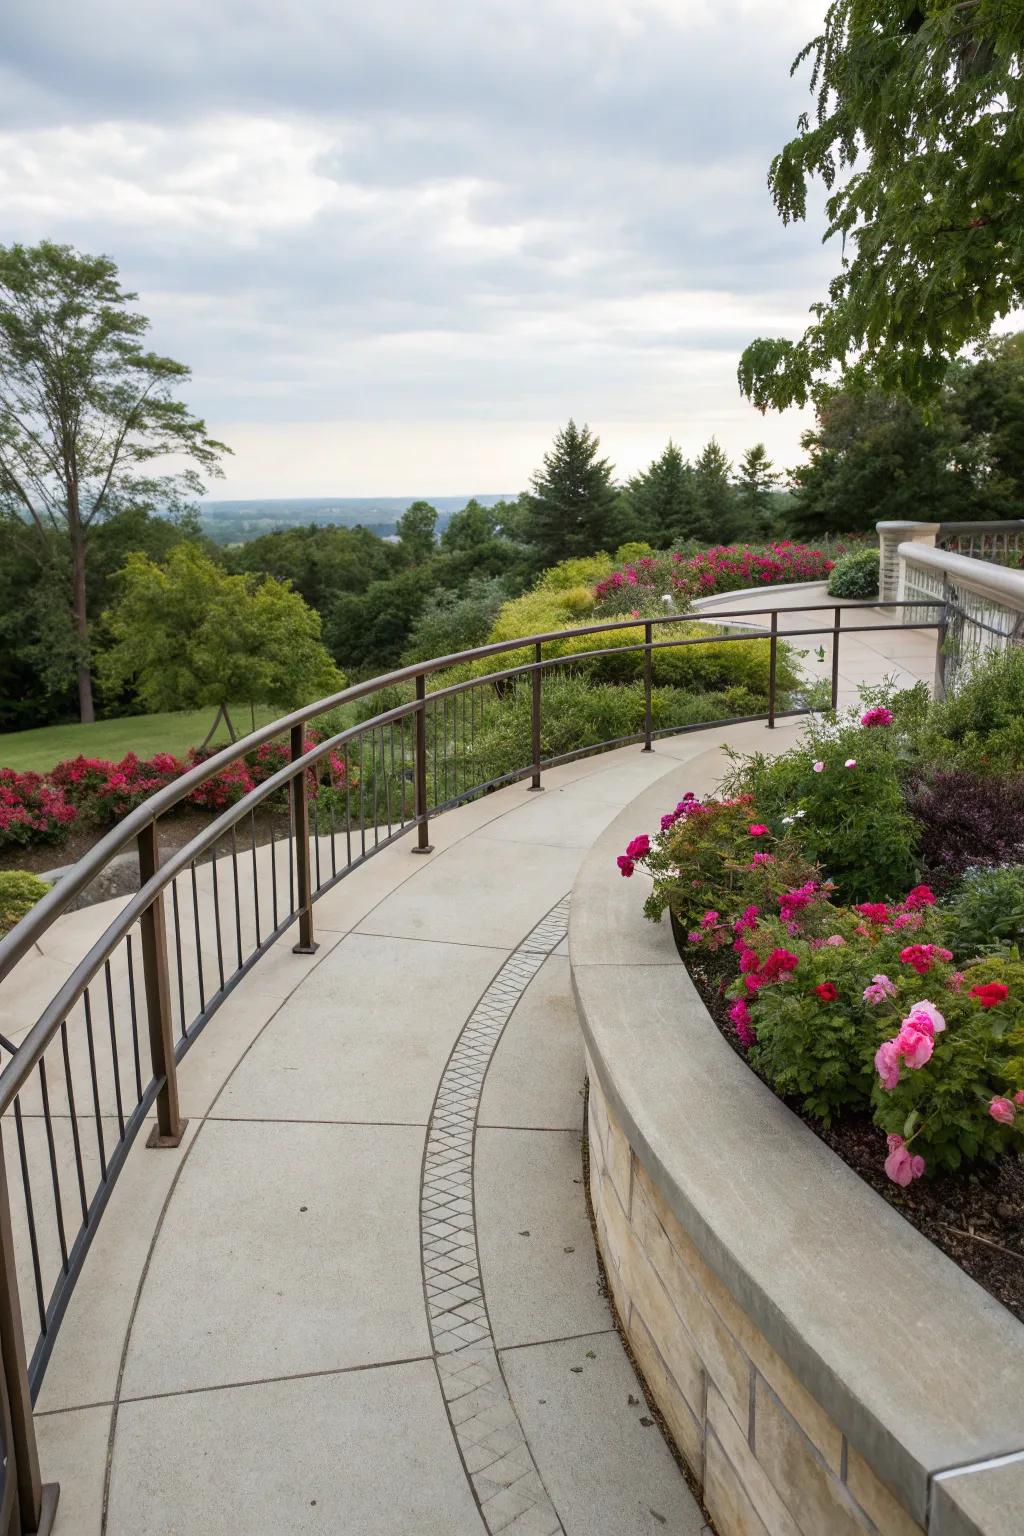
(400, 243)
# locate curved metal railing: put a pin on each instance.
(101, 1053)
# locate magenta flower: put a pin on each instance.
(818, 767)
(626, 865)
(762, 858)
(835, 940)
(877, 716)
(1002, 1110)
(756, 830)
(920, 896)
(881, 988)
(709, 919)
(851, 762)
(639, 847)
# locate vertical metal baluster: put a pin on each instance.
(199, 939)
(74, 1119)
(54, 1172)
(835, 657)
(216, 919)
(291, 865)
(95, 1084)
(444, 754)
(135, 1019)
(255, 878)
(648, 675)
(376, 785)
(348, 808)
(273, 872)
(330, 811)
(238, 900)
(113, 1045)
(433, 756)
(387, 777)
(177, 957)
(420, 770)
(30, 1214)
(362, 812)
(316, 840)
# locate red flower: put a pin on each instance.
(826, 991)
(991, 993)
(626, 866)
(756, 829)
(874, 911)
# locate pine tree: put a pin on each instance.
(662, 499)
(755, 485)
(715, 499)
(574, 506)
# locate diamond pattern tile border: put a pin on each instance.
(501, 1469)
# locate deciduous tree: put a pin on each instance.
(85, 411)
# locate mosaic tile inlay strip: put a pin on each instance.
(505, 1479)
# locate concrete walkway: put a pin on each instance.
(363, 1294)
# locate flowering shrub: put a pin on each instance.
(32, 810)
(103, 792)
(654, 583)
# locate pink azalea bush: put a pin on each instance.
(32, 810)
(642, 586)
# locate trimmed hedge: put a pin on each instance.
(855, 575)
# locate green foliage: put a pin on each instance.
(986, 911)
(319, 561)
(715, 516)
(854, 822)
(449, 623)
(573, 509)
(582, 571)
(19, 892)
(980, 725)
(855, 575)
(662, 499)
(368, 632)
(917, 136)
(187, 634)
(755, 491)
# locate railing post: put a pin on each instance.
(648, 640)
(307, 945)
(170, 1127)
(535, 783)
(37, 1501)
(423, 844)
(772, 665)
(835, 658)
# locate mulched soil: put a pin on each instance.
(976, 1218)
(175, 831)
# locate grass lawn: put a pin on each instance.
(41, 749)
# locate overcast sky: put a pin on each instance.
(399, 244)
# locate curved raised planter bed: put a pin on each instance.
(825, 1370)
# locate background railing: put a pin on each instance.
(982, 605)
(997, 541)
(97, 1057)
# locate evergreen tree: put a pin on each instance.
(755, 488)
(662, 501)
(574, 506)
(416, 531)
(714, 497)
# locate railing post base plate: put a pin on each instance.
(536, 789)
(305, 949)
(428, 849)
(646, 749)
(154, 1139)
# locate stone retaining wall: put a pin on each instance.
(768, 1458)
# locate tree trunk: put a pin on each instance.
(86, 711)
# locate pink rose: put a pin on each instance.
(639, 847)
(914, 1043)
(926, 1010)
(1018, 1097)
(835, 940)
(901, 1167)
(626, 865)
(756, 830)
(818, 767)
(1002, 1110)
(851, 762)
(887, 1064)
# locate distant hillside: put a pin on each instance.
(235, 522)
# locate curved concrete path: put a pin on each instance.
(363, 1294)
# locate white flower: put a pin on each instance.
(787, 821)
(667, 598)
(851, 762)
(801, 813)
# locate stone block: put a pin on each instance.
(748, 1476)
(724, 1360)
(687, 1428)
(875, 1499)
(619, 1161)
(815, 1496)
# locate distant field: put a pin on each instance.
(41, 749)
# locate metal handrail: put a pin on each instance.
(145, 911)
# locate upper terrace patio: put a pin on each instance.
(361, 1293)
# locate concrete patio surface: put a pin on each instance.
(363, 1294)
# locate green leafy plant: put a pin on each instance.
(19, 892)
(986, 911)
(855, 575)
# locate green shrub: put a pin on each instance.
(980, 725)
(855, 575)
(987, 910)
(19, 892)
